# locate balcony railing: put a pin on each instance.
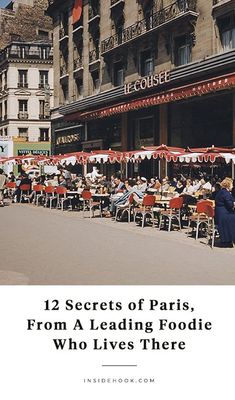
(117, 2)
(93, 13)
(22, 85)
(150, 23)
(27, 52)
(77, 63)
(222, 2)
(94, 55)
(44, 116)
(23, 115)
(63, 33)
(63, 70)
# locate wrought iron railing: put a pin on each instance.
(23, 115)
(94, 55)
(149, 23)
(215, 2)
(63, 70)
(63, 32)
(93, 12)
(114, 2)
(77, 63)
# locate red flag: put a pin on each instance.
(77, 11)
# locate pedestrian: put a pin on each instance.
(2, 186)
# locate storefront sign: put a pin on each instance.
(24, 152)
(3, 149)
(68, 139)
(147, 82)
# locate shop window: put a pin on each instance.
(44, 135)
(146, 63)
(182, 50)
(144, 132)
(43, 79)
(118, 74)
(22, 78)
(23, 133)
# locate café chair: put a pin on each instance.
(61, 192)
(89, 204)
(38, 191)
(146, 209)
(199, 218)
(212, 229)
(24, 193)
(125, 208)
(10, 189)
(173, 213)
(50, 195)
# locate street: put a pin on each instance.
(48, 247)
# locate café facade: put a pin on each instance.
(188, 106)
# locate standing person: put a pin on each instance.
(2, 186)
(11, 177)
(224, 213)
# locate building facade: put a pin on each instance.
(24, 20)
(132, 73)
(26, 92)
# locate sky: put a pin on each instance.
(3, 3)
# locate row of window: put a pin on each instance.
(23, 133)
(23, 79)
(23, 110)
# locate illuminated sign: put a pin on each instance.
(147, 82)
(76, 137)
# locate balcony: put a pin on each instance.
(78, 66)
(220, 2)
(116, 4)
(30, 52)
(64, 71)
(221, 7)
(94, 56)
(23, 115)
(42, 85)
(63, 34)
(22, 85)
(93, 15)
(23, 138)
(44, 116)
(158, 20)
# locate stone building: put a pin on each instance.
(24, 20)
(26, 97)
(26, 76)
(131, 73)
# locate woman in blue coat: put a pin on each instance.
(224, 213)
